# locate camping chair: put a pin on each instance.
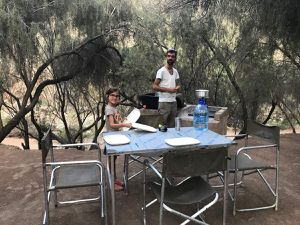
(192, 190)
(130, 159)
(245, 162)
(71, 174)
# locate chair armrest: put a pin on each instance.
(255, 147)
(80, 144)
(76, 145)
(237, 135)
(73, 163)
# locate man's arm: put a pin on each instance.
(156, 87)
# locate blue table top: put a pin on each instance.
(152, 143)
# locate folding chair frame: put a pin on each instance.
(55, 167)
(220, 164)
(234, 197)
(129, 159)
(271, 133)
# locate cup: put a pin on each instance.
(177, 123)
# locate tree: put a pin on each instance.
(237, 37)
(35, 32)
(75, 62)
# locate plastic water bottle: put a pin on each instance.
(201, 115)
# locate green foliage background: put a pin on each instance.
(245, 52)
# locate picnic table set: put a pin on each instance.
(181, 152)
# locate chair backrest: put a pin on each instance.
(182, 163)
(271, 133)
(46, 145)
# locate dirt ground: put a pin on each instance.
(21, 196)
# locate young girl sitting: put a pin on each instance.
(114, 122)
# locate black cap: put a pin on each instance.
(172, 50)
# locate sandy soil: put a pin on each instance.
(21, 193)
(18, 142)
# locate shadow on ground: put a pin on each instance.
(21, 196)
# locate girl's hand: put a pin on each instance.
(129, 125)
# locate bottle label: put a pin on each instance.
(201, 117)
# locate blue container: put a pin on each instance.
(201, 118)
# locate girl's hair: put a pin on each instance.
(112, 90)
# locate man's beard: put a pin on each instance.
(170, 62)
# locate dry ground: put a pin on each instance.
(21, 197)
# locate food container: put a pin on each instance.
(202, 93)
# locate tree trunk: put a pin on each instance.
(98, 130)
(274, 103)
(1, 104)
(286, 52)
(288, 119)
(215, 100)
(38, 128)
(25, 132)
(61, 90)
(291, 112)
(254, 105)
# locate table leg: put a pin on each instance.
(125, 173)
(111, 173)
(225, 196)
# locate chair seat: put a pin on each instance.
(78, 176)
(191, 191)
(245, 163)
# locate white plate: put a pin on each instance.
(182, 141)
(116, 139)
(132, 117)
(144, 127)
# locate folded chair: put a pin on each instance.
(130, 160)
(247, 163)
(71, 174)
(192, 190)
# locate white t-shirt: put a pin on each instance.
(167, 80)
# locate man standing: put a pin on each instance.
(165, 85)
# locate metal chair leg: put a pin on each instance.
(144, 194)
(235, 193)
